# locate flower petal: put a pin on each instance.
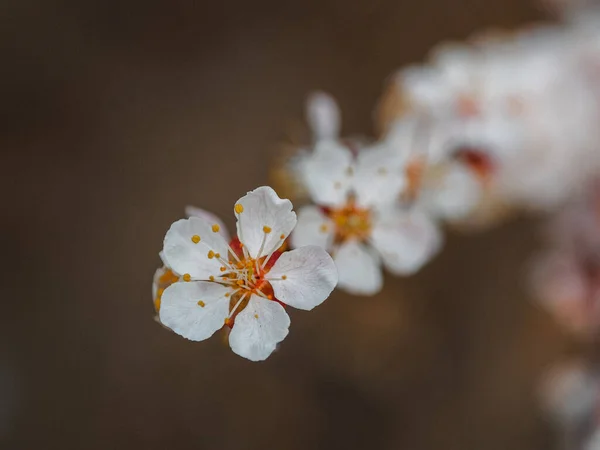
(378, 176)
(323, 115)
(326, 173)
(358, 269)
(185, 256)
(207, 216)
(303, 278)
(259, 328)
(194, 310)
(405, 240)
(262, 208)
(452, 194)
(313, 228)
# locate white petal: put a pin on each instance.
(184, 256)
(358, 269)
(405, 240)
(180, 311)
(453, 195)
(378, 176)
(207, 216)
(310, 276)
(264, 208)
(326, 173)
(323, 115)
(259, 328)
(313, 228)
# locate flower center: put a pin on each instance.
(351, 222)
(246, 275)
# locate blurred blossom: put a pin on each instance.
(357, 214)
(571, 395)
(527, 101)
(566, 276)
(207, 284)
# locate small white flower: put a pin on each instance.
(243, 285)
(358, 218)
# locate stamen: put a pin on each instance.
(262, 247)
(201, 303)
(216, 228)
(211, 278)
(256, 316)
(186, 277)
(237, 305)
(238, 208)
(232, 252)
(284, 277)
(195, 239)
(223, 268)
(217, 255)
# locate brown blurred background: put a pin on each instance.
(118, 114)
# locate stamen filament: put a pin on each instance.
(236, 305)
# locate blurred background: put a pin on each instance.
(116, 115)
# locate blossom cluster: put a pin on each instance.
(504, 122)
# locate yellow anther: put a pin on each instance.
(195, 239)
(282, 236)
(211, 254)
(186, 277)
(217, 255)
(223, 269)
(238, 208)
(284, 277)
(267, 229)
(240, 282)
(211, 278)
(227, 294)
(256, 316)
(201, 303)
(216, 228)
(323, 228)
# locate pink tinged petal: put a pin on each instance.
(378, 177)
(258, 329)
(262, 208)
(185, 256)
(192, 211)
(313, 228)
(359, 269)
(405, 240)
(323, 116)
(194, 310)
(326, 173)
(303, 278)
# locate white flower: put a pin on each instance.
(243, 285)
(358, 218)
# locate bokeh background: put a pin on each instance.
(117, 114)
